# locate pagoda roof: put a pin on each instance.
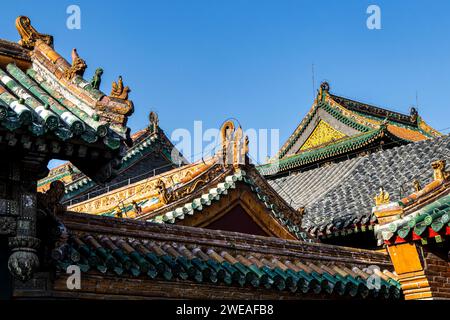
(344, 119)
(184, 262)
(338, 198)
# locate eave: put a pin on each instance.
(334, 149)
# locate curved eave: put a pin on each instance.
(334, 149)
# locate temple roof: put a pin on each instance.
(199, 194)
(338, 198)
(51, 96)
(336, 127)
(366, 141)
(149, 142)
(423, 215)
(204, 261)
(48, 108)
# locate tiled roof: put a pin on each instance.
(406, 134)
(302, 126)
(210, 257)
(340, 195)
(221, 190)
(430, 221)
(14, 51)
(145, 144)
(371, 110)
(36, 99)
(355, 117)
(335, 148)
(84, 182)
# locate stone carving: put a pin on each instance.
(119, 91)
(7, 226)
(23, 261)
(78, 66)
(29, 35)
(97, 78)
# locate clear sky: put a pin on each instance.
(252, 59)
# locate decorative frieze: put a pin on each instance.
(7, 226)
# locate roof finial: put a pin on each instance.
(323, 91)
(154, 122)
(325, 86)
(234, 144)
(29, 35)
(413, 114)
(417, 186)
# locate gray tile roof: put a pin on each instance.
(341, 194)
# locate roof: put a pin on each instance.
(144, 192)
(340, 125)
(200, 193)
(50, 97)
(423, 215)
(338, 198)
(150, 142)
(150, 145)
(211, 261)
(189, 191)
(366, 141)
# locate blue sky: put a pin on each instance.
(251, 59)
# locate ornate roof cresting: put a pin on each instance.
(234, 144)
(77, 68)
(119, 91)
(97, 78)
(29, 35)
(439, 170)
(382, 198)
(154, 122)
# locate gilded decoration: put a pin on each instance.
(382, 198)
(439, 170)
(352, 115)
(143, 190)
(321, 134)
(234, 145)
(119, 91)
(29, 35)
(425, 127)
(78, 66)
